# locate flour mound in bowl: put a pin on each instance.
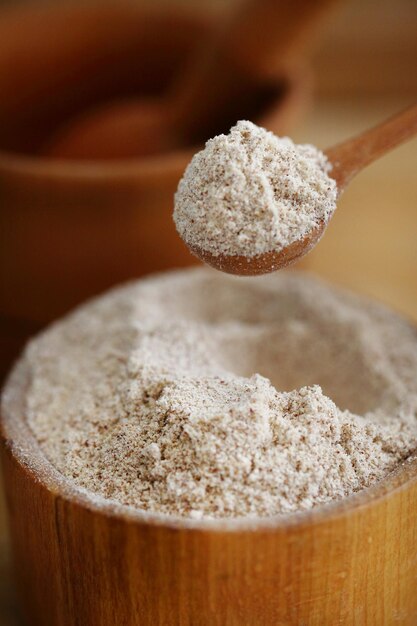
(201, 395)
(250, 192)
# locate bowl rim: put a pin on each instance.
(19, 441)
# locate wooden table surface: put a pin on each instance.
(370, 245)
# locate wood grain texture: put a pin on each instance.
(82, 563)
(82, 567)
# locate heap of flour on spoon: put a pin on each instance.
(250, 192)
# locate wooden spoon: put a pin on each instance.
(261, 40)
(347, 159)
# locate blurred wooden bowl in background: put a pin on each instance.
(73, 228)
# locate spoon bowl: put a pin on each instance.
(261, 263)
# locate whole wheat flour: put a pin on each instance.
(200, 395)
(251, 192)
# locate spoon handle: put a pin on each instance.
(351, 156)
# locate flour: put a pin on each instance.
(197, 394)
(251, 192)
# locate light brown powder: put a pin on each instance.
(196, 394)
(250, 192)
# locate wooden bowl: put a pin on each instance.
(71, 229)
(83, 561)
